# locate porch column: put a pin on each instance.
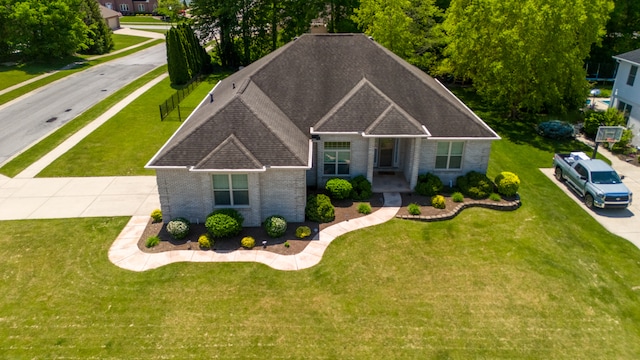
(415, 163)
(370, 156)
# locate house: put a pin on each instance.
(111, 17)
(131, 7)
(322, 106)
(625, 95)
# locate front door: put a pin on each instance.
(386, 148)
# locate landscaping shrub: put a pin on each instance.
(156, 215)
(275, 226)
(437, 202)
(222, 225)
(248, 242)
(507, 183)
(286, 244)
(428, 184)
(414, 209)
(229, 212)
(178, 228)
(302, 232)
(338, 188)
(360, 188)
(556, 129)
(495, 197)
(152, 241)
(457, 197)
(205, 241)
(475, 185)
(364, 208)
(319, 208)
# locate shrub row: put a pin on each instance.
(358, 188)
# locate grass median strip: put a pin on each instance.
(34, 153)
(125, 143)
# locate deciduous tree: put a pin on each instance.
(98, 40)
(525, 54)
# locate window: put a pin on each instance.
(141, 8)
(337, 157)
(109, 6)
(231, 189)
(625, 109)
(124, 7)
(632, 75)
(449, 155)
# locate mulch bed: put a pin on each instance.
(344, 209)
(429, 212)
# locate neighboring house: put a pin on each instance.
(322, 106)
(625, 95)
(111, 17)
(131, 7)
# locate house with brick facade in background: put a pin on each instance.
(322, 106)
(131, 7)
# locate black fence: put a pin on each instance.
(601, 71)
(174, 101)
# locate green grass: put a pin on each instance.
(124, 41)
(139, 19)
(34, 153)
(4, 98)
(127, 141)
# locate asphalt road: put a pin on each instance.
(30, 118)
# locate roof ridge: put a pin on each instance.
(348, 96)
(232, 139)
(419, 126)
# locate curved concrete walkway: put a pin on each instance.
(125, 252)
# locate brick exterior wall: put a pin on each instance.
(190, 195)
(475, 158)
(132, 6)
(359, 157)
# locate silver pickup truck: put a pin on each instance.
(592, 179)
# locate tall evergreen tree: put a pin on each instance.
(176, 59)
(98, 39)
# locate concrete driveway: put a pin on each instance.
(622, 222)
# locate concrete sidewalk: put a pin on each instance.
(125, 252)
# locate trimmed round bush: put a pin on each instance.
(360, 188)
(319, 208)
(414, 209)
(556, 129)
(437, 202)
(275, 225)
(152, 241)
(364, 208)
(222, 225)
(338, 188)
(302, 232)
(248, 242)
(178, 228)
(428, 184)
(475, 185)
(507, 183)
(205, 241)
(230, 212)
(156, 215)
(457, 197)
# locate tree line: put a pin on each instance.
(524, 55)
(44, 29)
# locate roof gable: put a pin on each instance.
(631, 56)
(230, 154)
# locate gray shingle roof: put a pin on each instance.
(631, 56)
(331, 82)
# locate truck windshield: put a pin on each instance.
(605, 177)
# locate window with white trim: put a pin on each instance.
(124, 7)
(449, 154)
(108, 6)
(141, 8)
(337, 157)
(231, 189)
(632, 75)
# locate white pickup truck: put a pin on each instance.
(593, 179)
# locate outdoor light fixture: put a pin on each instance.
(264, 244)
(315, 137)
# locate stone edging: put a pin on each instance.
(488, 204)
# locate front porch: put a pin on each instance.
(389, 181)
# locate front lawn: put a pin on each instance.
(124, 144)
(124, 41)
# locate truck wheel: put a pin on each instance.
(558, 174)
(588, 200)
